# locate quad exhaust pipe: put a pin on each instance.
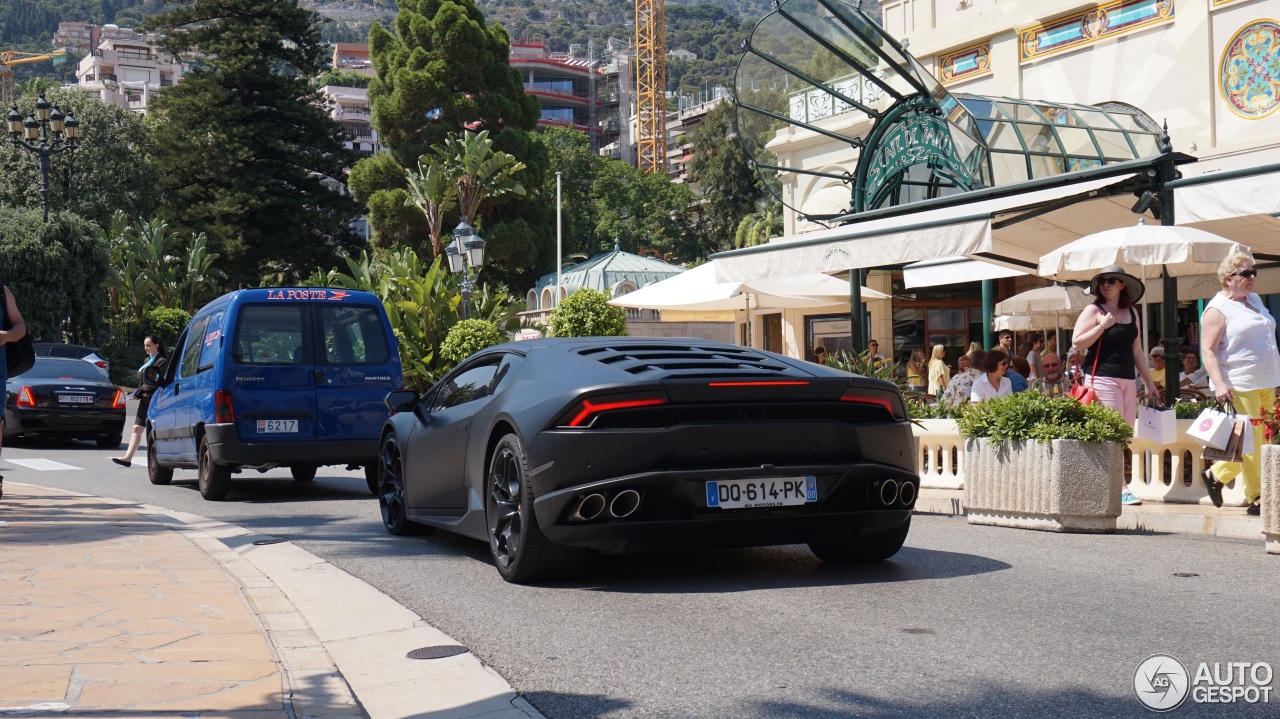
(625, 503)
(590, 507)
(593, 506)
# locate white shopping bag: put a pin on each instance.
(1248, 447)
(1158, 425)
(1212, 428)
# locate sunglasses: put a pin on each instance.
(1247, 274)
(1112, 280)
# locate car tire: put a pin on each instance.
(303, 472)
(388, 480)
(156, 473)
(371, 478)
(215, 479)
(110, 442)
(874, 547)
(520, 550)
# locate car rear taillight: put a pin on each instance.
(587, 410)
(876, 398)
(224, 411)
(118, 402)
(760, 383)
(101, 364)
(26, 398)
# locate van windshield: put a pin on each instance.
(271, 335)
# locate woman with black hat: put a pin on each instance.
(1108, 333)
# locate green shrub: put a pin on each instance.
(166, 323)
(1031, 415)
(587, 313)
(469, 337)
(1191, 408)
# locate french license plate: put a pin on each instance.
(75, 398)
(277, 426)
(770, 492)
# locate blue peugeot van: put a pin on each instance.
(279, 377)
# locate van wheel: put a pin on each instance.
(371, 478)
(303, 472)
(156, 473)
(215, 480)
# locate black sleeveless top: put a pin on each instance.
(1117, 349)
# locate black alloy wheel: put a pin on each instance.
(520, 550)
(390, 490)
(215, 479)
(156, 473)
(303, 472)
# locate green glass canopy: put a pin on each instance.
(826, 67)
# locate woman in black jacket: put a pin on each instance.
(149, 375)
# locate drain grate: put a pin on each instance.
(273, 540)
(437, 652)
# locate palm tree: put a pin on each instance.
(432, 190)
(479, 171)
(200, 272)
(757, 227)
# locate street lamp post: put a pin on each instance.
(44, 133)
(464, 253)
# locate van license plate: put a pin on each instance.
(769, 492)
(277, 426)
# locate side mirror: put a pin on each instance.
(401, 400)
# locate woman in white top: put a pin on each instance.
(1192, 378)
(939, 372)
(1243, 364)
(993, 383)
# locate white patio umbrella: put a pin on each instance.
(1051, 307)
(1144, 251)
(698, 290)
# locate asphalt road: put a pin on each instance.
(964, 622)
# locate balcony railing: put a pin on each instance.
(553, 89)
(106, 76)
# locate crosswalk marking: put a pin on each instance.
(44, 465)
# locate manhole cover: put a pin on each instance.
(274, 540)
(437, 652)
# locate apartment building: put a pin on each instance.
(349, 106)
(86, 36)
(353, 57)
(127, 72)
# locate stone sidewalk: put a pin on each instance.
(112, 609)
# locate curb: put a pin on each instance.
(341, 644)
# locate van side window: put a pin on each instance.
(191, 352)
(212, 342)
(469, 385)
(271, 335)
(353, 334)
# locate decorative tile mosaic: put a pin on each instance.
(1107, 20)
(1249, 73)
(964, 64)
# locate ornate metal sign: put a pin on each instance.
(916, 139)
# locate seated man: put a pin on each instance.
(1055, 382)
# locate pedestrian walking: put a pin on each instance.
(1107, 332)
(939, 373)
(148, 379)
(992, 383)
(1238, 344)
(14, 329)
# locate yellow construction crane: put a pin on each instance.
(651, 86)
(9, 58)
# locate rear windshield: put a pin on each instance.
(353, 334)
(45, 368)
(271, 335)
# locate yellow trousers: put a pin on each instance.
(1247, 402)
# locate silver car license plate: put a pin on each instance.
(277, 426)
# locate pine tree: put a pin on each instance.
(245, 149)
(442, 71)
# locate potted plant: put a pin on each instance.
(1048, 463)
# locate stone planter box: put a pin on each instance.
(939, 453)
(1059, 486)
(1271, 497)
